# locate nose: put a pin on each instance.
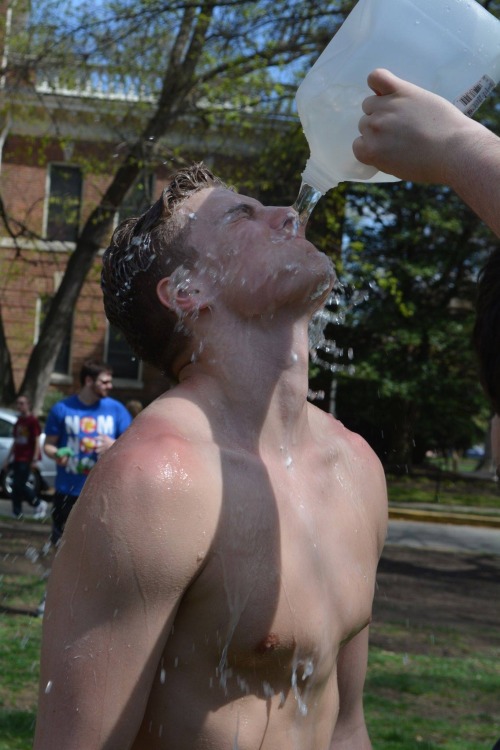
(285, 219)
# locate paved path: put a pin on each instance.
(446, 537)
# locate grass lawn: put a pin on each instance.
(428, 702)
(438, 486)
(20, 636)
(429, 686)
(412, 701)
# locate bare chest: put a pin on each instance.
(289, 577)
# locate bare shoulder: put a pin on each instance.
(348, 443)
(155, 495)
(355, 464)
(155, 456)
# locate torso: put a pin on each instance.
(287, 574)
(26, 431)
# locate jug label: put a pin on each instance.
(471, 100)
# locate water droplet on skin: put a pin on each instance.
(48, 687)
(288, 461)
(308, 669)
(163, 676)
(267, 690)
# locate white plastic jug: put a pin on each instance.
(451, 47)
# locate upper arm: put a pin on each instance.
(350, 730)
(475, 170)
(36, 450)
(113, 592)
(372, 487)
(50, 441)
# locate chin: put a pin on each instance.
(319, 296)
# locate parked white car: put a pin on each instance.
(41, 478)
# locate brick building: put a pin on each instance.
(59, 141)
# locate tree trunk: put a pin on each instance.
(44, 354)
(401, 446)
(7, 387)
(177, 83)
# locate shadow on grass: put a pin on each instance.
(16, 729)
(18, 611)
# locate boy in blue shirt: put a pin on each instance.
(78, 430)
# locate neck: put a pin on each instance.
(87, 396)
(253, 379)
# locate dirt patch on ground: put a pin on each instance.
(449, 594)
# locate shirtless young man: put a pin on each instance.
(226, 605)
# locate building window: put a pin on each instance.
(64, 203)
(139, 198)
(62, 363)
(119, 355)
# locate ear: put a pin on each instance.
(184, 298)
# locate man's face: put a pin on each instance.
(23, 405)
(257, 256)
(102, 385)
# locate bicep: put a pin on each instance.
(105, 625)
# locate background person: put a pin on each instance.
(134, 406)
(25, 453)
(226, 604)
(78, 430)
(416, 135)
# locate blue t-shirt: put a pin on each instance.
(77, 426)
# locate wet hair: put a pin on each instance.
(143, 251)
(486, 333)
(92, 369)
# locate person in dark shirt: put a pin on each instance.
(24, 454)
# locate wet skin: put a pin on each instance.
(217, 574)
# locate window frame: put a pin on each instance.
(48, 196)
(136, 383)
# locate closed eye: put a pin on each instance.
(244, 210)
